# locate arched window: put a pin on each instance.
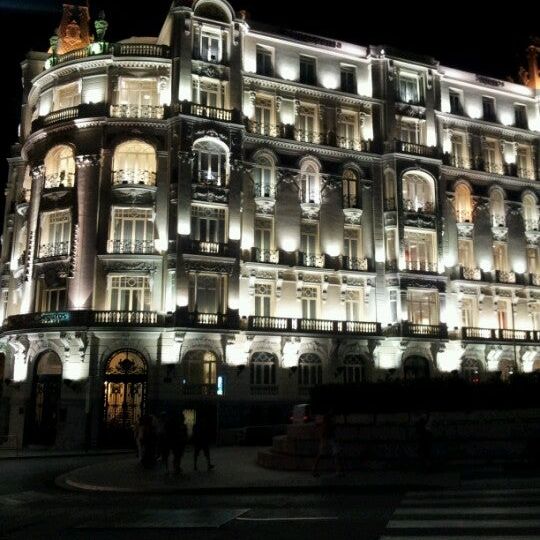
(59, 167)
(264, 176)
(200, 372)
(211, 162)
(309, 370)
(418, 192)
(496, 204)
(530, 212)
(354, 369)
(471, 370)
(134, 162)
(507, 368)
(310, 183)
(263, 369)
(415, 367)
(350, 189)
(463, 204)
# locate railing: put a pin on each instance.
(209, 248)
(265, 191)
(493, 168)
(84, 110)
(137, 111)
(416, 149)
(531, 224)
(262, 128)
(534, 279)
(317, 326)
(464, 216)
(351, 201)
(213, 113)
(311, 261)
(134, 177)
(210, 56)
(265, 255)
(474, 274)
(498, 220)
(210, 192)
(421, 266)
(56, 249)
(505, 277)
(529, 174)
(426, 207)
(206, 320)
(58, 180)
(496, 334)
(351, 144)
(130, 246)
(143, 318)
(264, 390)
(418, 101)
(356, 263)
(70, 113)
(424, 330)
(199, 389)
(468, 332)
(309, 136)
(460, 162)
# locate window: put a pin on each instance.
(59, 167)
(504, 313)
(309, 370)
(347, 131)
(200, 368)
(309, 183)
(492, 159)
(500, 256)
(211, 162)
(310, 298)
(263, 299)
(264, 115)
(67, 95)
(206, 293)
(523, 162)
(55, 234)
(520, 116)
(348, 79)
(391, 253)
(418, 193)
(350, 186)
(535, 315)
(53, 299)
(409, 131)
(530, 212)
(309, 236)
(264, 62)
(393, 301)
(488, 109)
(354, 369)
(464, 211)
(129, 293)
(264, 244)
(466, 253)
(532, 260)
(306, 124)
(409, 91)
(420, 250)
(308, 70)
(210, 46)
(471, 370)
(264, 177)
(423, 307)
(354, 302)
(497, 208)
(138, 98)
(352, 248)
(469, 312)
(263, 369)
(207, 224)
(459, 151)
(455, 102)
(132, 230)
(134, 162)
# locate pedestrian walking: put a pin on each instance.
(148, 442)
(164, 449)
(175, 439)
(328, 444)
(201, 439)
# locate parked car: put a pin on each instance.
(301, 413)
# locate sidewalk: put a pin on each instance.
(237, 471)
(25, 453)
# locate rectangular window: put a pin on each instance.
(354, 302)
(55, 234)
(504, 314)
(53, 299)
(306, 124)
(465, 253)
(265, 65)
(488, 109)
(132, 230)
(308, 70)
(420, 251)
(348, 79)
(500, 256)
(469, 312)
(352, 243)
(264, 239)
(129, 293)
(263, 299)
(137, 98)
(348, 131)
(264, 116)
(309, 185)
(492, 161)
(459, 154)
(410, 132)
(456, 106)
(207, 224)
(393, 300)
(206, 293)
(520, 116)
(423, 307)
(310, 298)
(309, 244)
(409, 91)
(523, 163)
(67, 95)
(209, 94)
(210, 46)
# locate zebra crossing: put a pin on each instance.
(482, 514)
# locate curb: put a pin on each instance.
(58, 456)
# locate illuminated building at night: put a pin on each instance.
(228, 214)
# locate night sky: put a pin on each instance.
(490, 40)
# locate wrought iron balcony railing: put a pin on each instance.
(265, 255)
(416, 149)
(55, 249)
(469, 273)
(309, 136)
(421, 266)
(59, 180)
(529, 174)
(317, 326)
(202, 247)
(311, 260)
(137, 111)
(356, 263)
(265, 191)
(351, 201)
(131, 246)
(424, 207)
(263, 128)
(464, 216)
(134, 177)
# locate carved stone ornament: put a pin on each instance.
(130, 266)
(218, 267)
(353, 216)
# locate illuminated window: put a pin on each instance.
(354, 304)
(466, 253)
(200, 368)
(264, 176)
(55, 234)
(132, 230)
(530, 212)
(208, 224)
(264, 293)
(309, 183)
(59, 167)
(418, 193)
(469, 312)
(420, 248)
(310, 300)
(463, 204)
(207, 293)
(423, 307)
(67, 95)
(497, 208)
(134, 162)
(129, 293)
(212, 164)
(409, 89)
(500, 256)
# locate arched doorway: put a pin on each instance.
(354, 369)
(415, 368)
(46, 387)
(125, 396)
(200, 373)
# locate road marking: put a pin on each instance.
(306, 518)
(463, 523)
(472, 510)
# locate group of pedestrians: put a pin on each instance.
(166, 438)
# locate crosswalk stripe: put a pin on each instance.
(475, 510)
(469, 492)
(468, 501)
(476, 537)
(462, 523)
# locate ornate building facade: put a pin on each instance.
(226, 216)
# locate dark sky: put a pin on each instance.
(476, 36)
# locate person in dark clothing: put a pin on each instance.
(175, 438)
(328, 444)
(201, 440)
(148, 440)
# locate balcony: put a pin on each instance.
(201, 247)
(470, 273)
(129, 318)
(311, 260)
(464, 216)
(56, 249)
(262, 128)
(459, 162)
(309, 136)
(496, 334)
(356, 263)
(408, 329)
(503, 276)
(425, 207)
(131, 246)
(133, 177)
(351, 201)
(416, 149)
(211, 113)
(199, 390)
(534, 279)
(137, 111)
(265, 255)
(422, 266)
(84, 110)
(489, 166)
(210, 192)
(528, 174)
(59, 180)
(353, 144)
(313, 326)
(210, 56)
(195, 319)
(408, 99)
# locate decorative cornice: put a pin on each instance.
(452, 174)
